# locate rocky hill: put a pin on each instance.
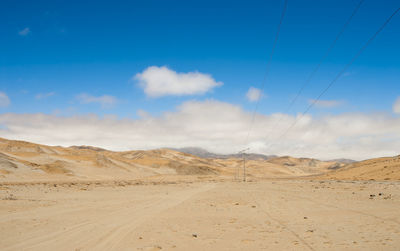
(25, 161)
(387, 168)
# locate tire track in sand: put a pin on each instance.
(107, 230)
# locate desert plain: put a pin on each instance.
(86, 198)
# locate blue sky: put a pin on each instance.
(53, 51)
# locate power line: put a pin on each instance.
(263, 85)
(267, 68)
(344, 69)
(243, 152)
(323, 58)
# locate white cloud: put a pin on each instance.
(24, 32)
(253, 94)
(142, 113)
(161, 81)
(44, 95)
(396, 106)
(4, 100)
(104, 101)
(326, 103)
(219, 127)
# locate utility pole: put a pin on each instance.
(244, 167)
(244, 162)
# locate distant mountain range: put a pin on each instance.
(202, 153)
(343, 161)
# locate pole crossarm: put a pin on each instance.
(243, 152)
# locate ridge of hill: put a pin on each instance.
(26, 161)
(385, 168)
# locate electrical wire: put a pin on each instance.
(344, 69)
(267, 69)
(321, 61)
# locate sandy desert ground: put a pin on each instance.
(209, 215)
(86, 198)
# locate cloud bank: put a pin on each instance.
(162, 81)
(219, 127)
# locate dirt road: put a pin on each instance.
(274, 215)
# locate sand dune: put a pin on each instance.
(373, 169)
(25, 161)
